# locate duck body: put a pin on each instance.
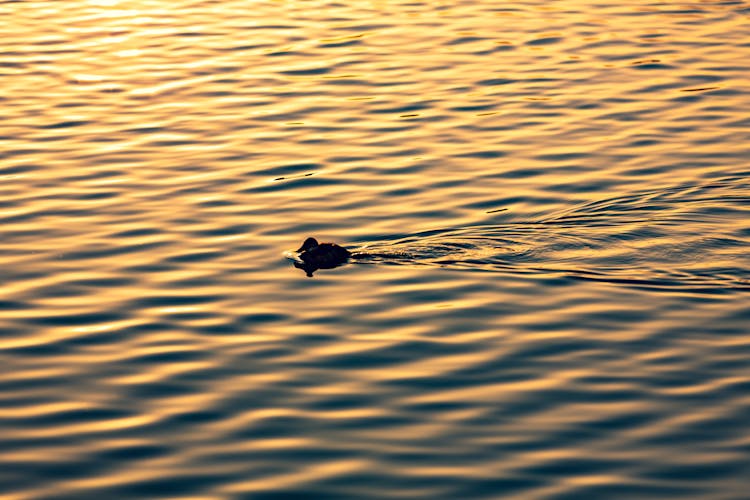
(314, 255)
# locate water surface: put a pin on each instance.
(555, 198)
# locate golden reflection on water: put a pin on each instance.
(555, 202)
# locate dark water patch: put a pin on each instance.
(218, 329)
(97, 175)
(689, 98)
(613, 316)
(195, 257)
(286, 53)
(158, 390)
(429, 383)
(308, 454)
(691, 472)
(9, 64)
(193, 315)
(522, 173)
(661, 285)
(111, 282)
(506, 369)
(639, 143)
(376, 422)
(624, 422)
(167, 487)
(307, 72)
(342, 43)
(619, 490)
(659, 87)
(135, 233)
(66, 124)
(267, 353)
(545, 41)
(496, 81)
(561, 157)
(701, 433)
(556, 281)
(346, 402)
(14, 305)
(401, 192)
(39, 350)
(45, 471)
(93, 339)
(20, 169)
(154, 268)
(102, 195)
(488, 203)
(33, 383)
(261, 318)
(111, 251)
(91, 318)
(740, 315)
(400, 110)
(14, 152)
(465, 39)
(174, 300)
(195, 418)
(592, 186)
(310, 182)
(403, 153)
(552, 350)
(476, 107)
(651, 66)
(489, 488)
(289, 169)
(277, 427)
(168, 357)
(217, 203)
(354, 159)
(383, 356)
(436, 407)
(26, 217)
(484, 154)
(68, 417)
(170, 143)
(576, 466)
(146, 129)
(135, 452)
(310, 493)
(295, 117)
(646, 171)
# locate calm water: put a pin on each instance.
(561, 188)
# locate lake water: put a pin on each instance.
(554, 196)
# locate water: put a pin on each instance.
(554, 196)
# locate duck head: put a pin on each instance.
(308, 244)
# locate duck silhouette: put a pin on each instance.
(312, 256)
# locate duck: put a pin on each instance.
(314, 255)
